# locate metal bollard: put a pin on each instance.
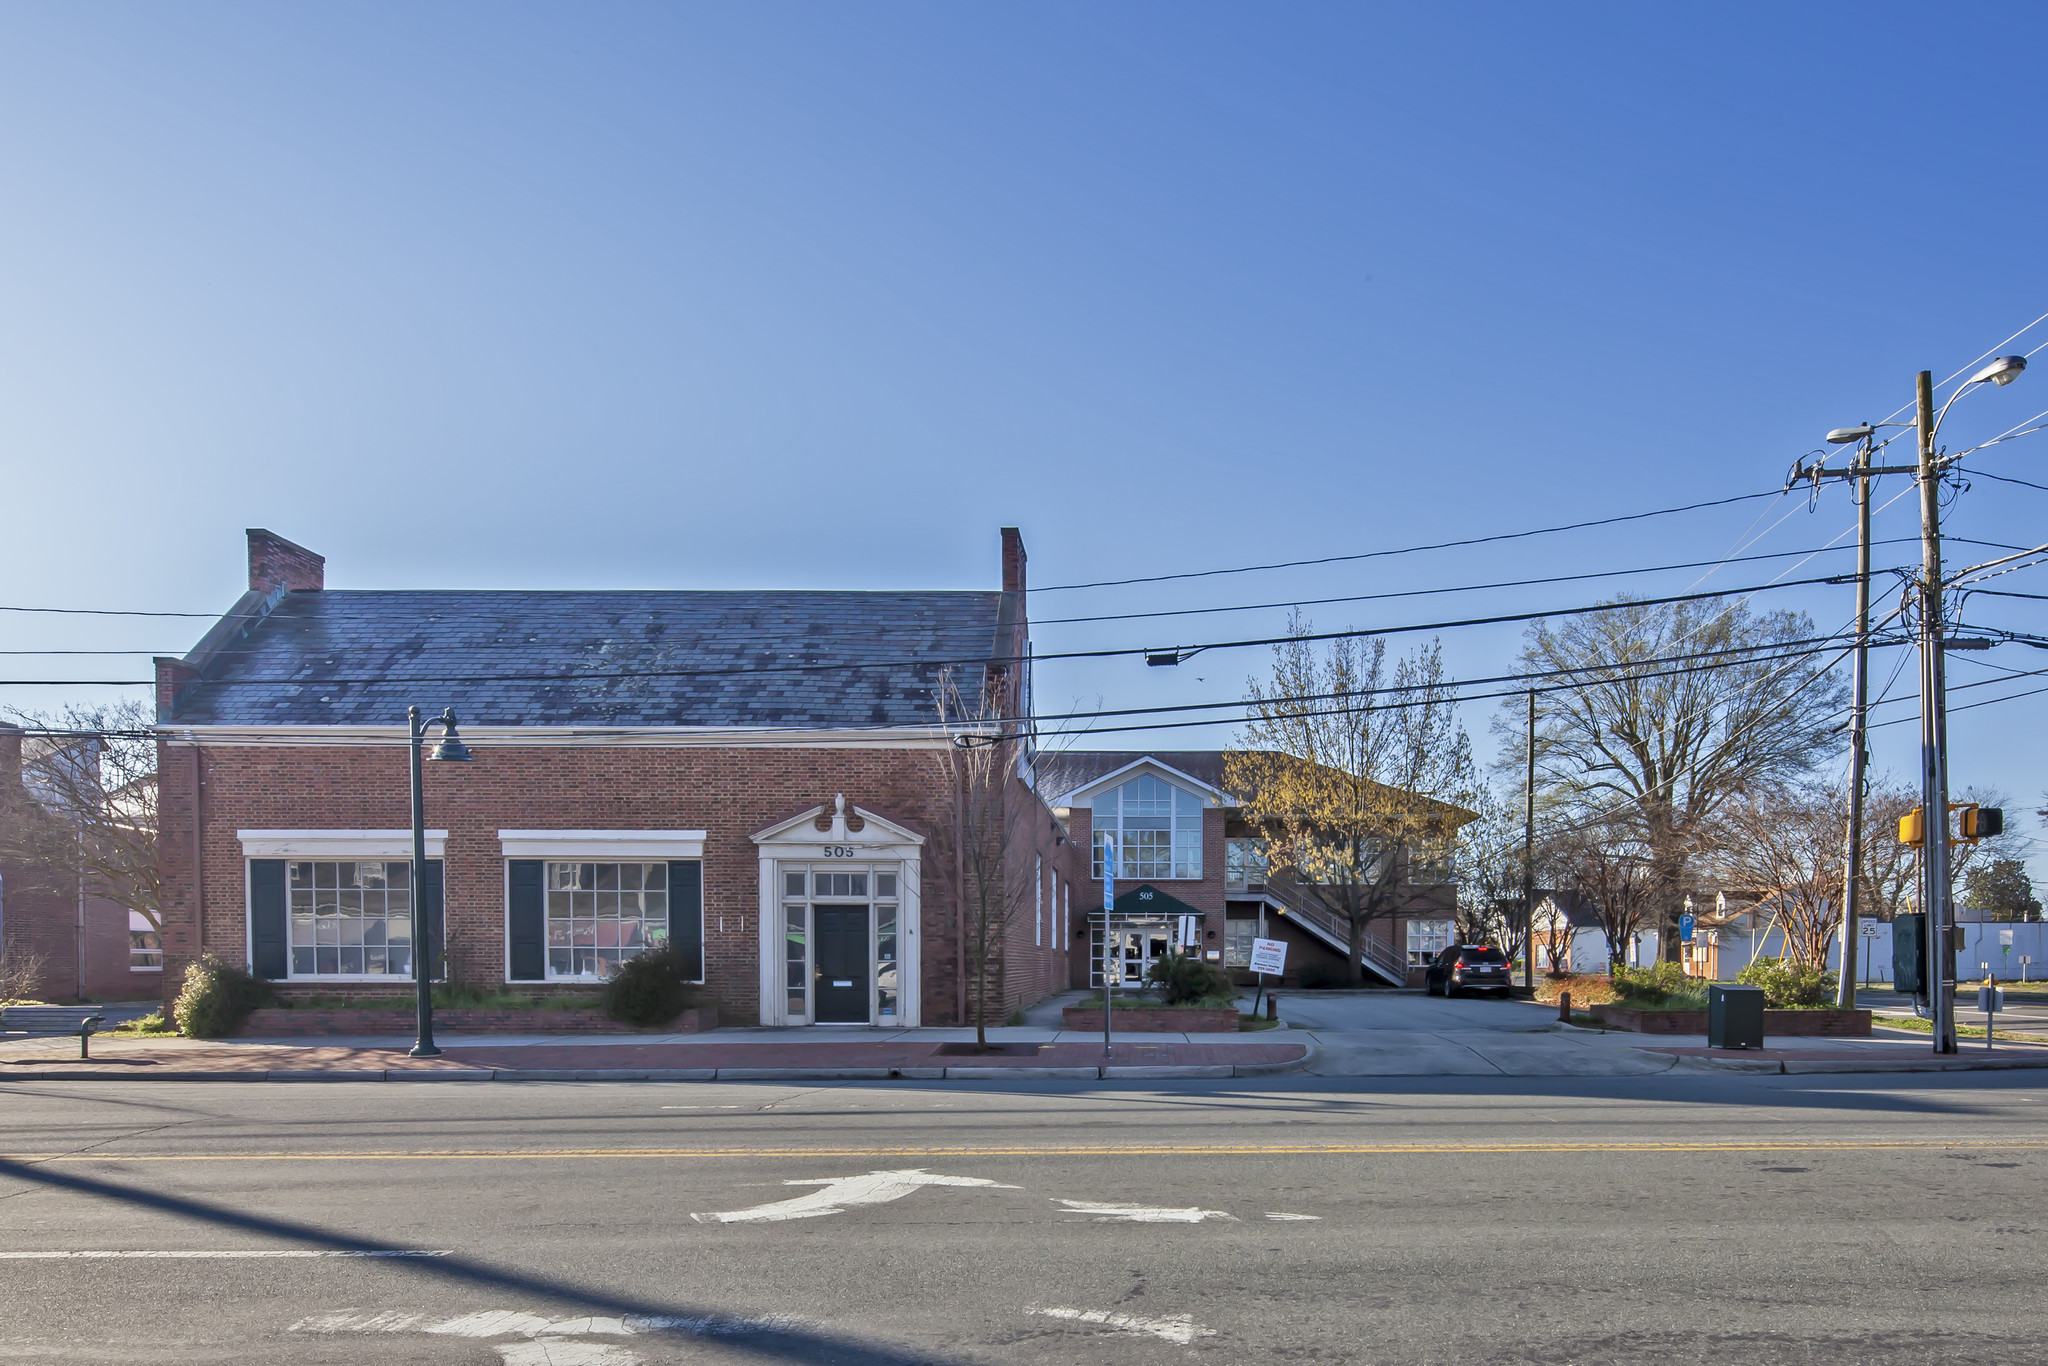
(1272, 1007)
(1564, 1007)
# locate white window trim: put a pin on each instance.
(603, 846)
(337, 845)
(879, 843)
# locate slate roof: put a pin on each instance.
(334, 658)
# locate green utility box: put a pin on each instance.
(1735, 1017)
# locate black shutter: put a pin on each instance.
(686, 915)
(268, 916)
(430, 902)
(526, 922)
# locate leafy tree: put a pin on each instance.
(2003, 888)
(1675, 709)
(1358, 791)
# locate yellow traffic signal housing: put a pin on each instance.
(1913, 828)
(1983, 822)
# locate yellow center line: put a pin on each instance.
(1079, 1150)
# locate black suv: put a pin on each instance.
(1469, 967)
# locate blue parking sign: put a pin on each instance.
(1685, 929)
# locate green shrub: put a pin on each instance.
(1662, 986)
(216, 997)
(650, 989)
(1788, 986)
(1185, 980)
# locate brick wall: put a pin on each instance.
(211, 792)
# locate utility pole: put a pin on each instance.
(1529, 856)
(1845, 993)
(1934, 898)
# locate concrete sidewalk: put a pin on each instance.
(724, 1055)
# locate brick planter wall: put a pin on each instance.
(281, 1023)
(1169, 1020)
(1783, 1023)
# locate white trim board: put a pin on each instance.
(602, 844)
(1085, 793)
(337, 844)
(580, 737)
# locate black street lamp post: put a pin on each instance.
(423, 944)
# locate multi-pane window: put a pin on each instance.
(1428, 938)
(1157, 828)
(1237, 942)
(1429, 861)
(145, 945)
(1244, 864)
(351, 919)
(800, 888)
(601, 914)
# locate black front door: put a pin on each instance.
(840, 959)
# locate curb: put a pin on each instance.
(1109, 1072)
(1798, 1067)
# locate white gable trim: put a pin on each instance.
(602, 844)
(1088, 791)
(337, 844)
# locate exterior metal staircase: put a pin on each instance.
(1382, 960)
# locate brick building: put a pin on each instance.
(1185, 849)
(752, 775)
(89, 945)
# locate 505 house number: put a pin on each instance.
(838, 851)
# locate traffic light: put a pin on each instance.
(1913, 828)
(1983, 822)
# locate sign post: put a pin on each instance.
(1108, 912)
(1268, 955)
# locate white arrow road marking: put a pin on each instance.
(1181, 1329)
(837, 1194)
(560, 1352)
(1141, 1214)
(225, 1256)
(1274, 1214)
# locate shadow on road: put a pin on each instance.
(769, 1341)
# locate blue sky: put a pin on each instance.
(820, 295)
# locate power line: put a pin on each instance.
(1412, 549)
(1459, 588)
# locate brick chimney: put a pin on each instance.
(10, 759)
(273, 561)
(1013, 560)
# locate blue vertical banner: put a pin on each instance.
(1108, 873)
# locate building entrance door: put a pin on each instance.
(1138, 946)
(840, 963)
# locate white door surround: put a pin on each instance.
(879, 846)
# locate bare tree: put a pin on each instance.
(1490, 852)
(1674, 710)
(1783, 848)
(21, 972)
(1357, 790)
(1609, 865)
(89, 803)
(982, 813)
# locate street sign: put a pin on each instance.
(1269, 956)
(1685, 924)
(1108, 874)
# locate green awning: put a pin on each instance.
(1144, 902)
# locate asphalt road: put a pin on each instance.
(1739, 1219)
